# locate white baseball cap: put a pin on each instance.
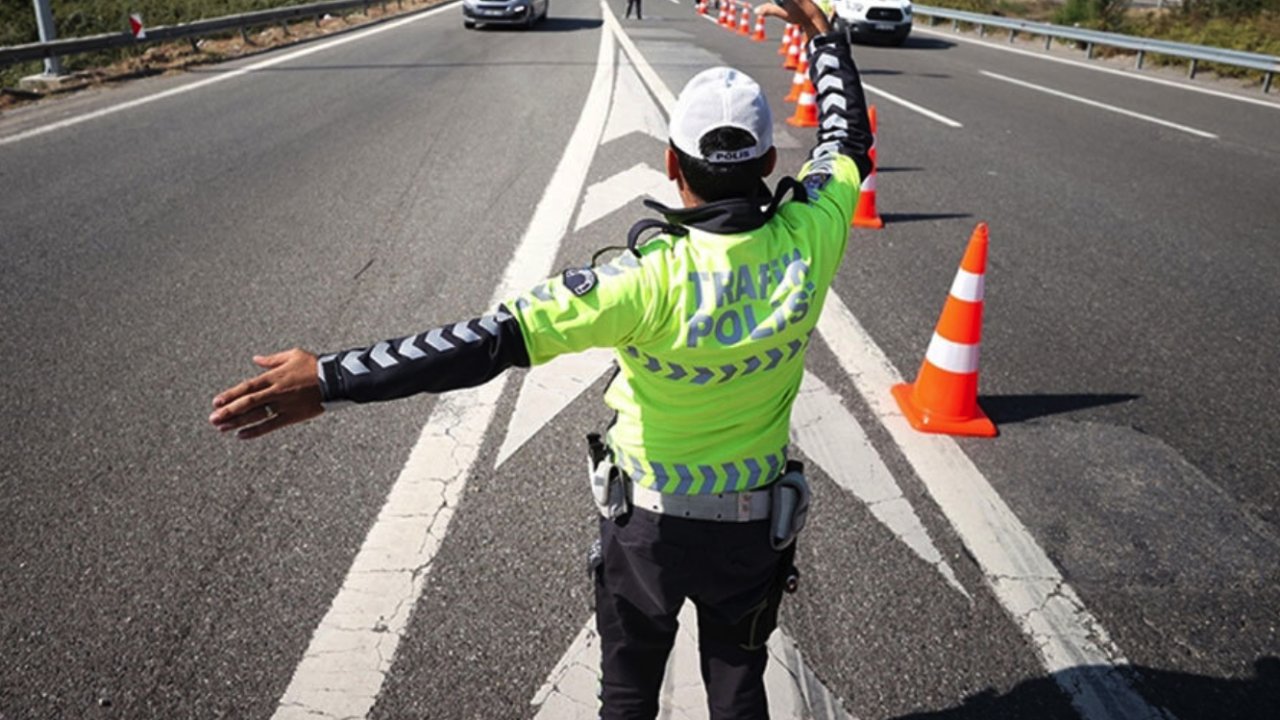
(716, 98)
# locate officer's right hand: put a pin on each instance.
(804, 13)
(287, 393)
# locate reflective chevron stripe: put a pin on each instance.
(352, 364)
(767, 361)
(702, 479)
(409, 350)
(381, 354)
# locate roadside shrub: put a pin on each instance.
(1106, 15)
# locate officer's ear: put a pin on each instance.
(673, 167)
(770, 162)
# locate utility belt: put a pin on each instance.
(785, 502)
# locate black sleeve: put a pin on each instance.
(843, 126)
(456, 356)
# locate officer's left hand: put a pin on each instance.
(287, 393)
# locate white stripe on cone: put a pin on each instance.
(967, 286)
(953, 357)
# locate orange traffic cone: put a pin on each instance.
(786, 40)
(702, 7)
(865, 214)
(744, 28)
(944, 397)
(793, 53)
(800, 77)
(758, 36)
(724, 14)
(806, 114)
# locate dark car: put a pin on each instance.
(504, 12)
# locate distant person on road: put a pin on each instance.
(710, 321)
(636, 3)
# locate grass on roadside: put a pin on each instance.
(1249, 25)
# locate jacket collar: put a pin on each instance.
(734, 215)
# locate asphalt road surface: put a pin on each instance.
(1114, 553)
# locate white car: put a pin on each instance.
(884, 20)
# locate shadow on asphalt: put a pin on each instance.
(890, 218)
(1186, 695)
(551, 24)
(898, 169)
(915, 42)
(1018, 408)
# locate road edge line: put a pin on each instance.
(319, 46)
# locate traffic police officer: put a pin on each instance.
(710, 320)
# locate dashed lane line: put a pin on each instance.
(1102, 69)
(913, 107)
(343, 668)
(1099, 105)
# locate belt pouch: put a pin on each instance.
(607, 488)
(789, 506)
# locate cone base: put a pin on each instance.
(977, 426)
(802, 122)
(875, 223)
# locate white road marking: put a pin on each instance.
(939, 117)
(1103, 69)
(618, 190)
(640, 114)
(832, 438)
(1100, 105)
(1019, 573)
(309, 50)
(343, 669)
(547, 390)
(569, 692)
(656, 86)
(912, 106)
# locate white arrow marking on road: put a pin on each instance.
(615, 192)
(633, 110)
(794, 691)
(547, 390)
(832, 437)
(341, 673)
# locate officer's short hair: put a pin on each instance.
(720, 180)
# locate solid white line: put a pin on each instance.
(318, 47)
(912, 106)
(1103, 69)
(342, 671)
(656, 86)
(1100, 105)
(1072, 644)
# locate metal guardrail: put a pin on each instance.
(192, 30)
(1269, 65)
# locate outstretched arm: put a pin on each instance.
(297, 385)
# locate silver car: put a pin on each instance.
(525, 13)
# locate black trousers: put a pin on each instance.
(651, 563)
(637, 4)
